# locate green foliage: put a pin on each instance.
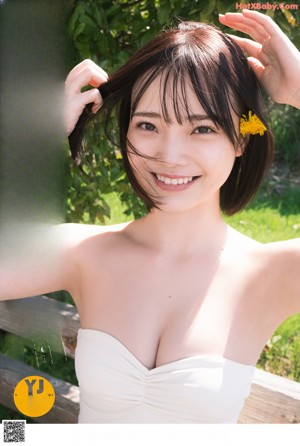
(273, 215)
(286, 126)
(281, 355)
(109, 32)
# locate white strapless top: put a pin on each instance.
(115, 387)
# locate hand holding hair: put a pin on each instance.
(84, 74)
(272, 56)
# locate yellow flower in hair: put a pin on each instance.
(252, 125)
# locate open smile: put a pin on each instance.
(174, 182)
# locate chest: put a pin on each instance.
(163, 311)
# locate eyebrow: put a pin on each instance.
(146, 114)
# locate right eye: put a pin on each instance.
(147, 126)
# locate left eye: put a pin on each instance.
(203, 129)
(146, 126)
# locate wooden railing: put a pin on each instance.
(273, 399)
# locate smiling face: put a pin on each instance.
(182, 163)
(197, 72)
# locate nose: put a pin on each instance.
(172, 150)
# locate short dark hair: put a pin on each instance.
(218, 71)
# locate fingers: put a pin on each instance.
(265, 21)
(91, 96)
(75, 104)
(88, 66)
(257, 66)
(261, 28)
(256, 59)
(249, 46)
(273, 57)
(84, 74)
(246, 25)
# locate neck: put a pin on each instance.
(187, 231)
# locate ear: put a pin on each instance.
(243, 142)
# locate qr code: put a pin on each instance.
(14, 431)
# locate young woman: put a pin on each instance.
(176, 307)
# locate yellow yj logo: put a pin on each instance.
(34, 396)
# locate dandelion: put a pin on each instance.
(252, 125)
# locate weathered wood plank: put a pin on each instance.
(273, 399)
(42, 318)
(66, 406)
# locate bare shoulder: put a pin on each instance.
(238, 241)
(285, 247)
(285, 258)
(83, 244)
(274, 260)
(272, 252)
(285, 261)
(86, 249)
(74, 235)
(241, 248)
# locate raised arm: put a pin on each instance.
(35, 259)
(41, 258)
(276, 63)
(273, 57)
(48, 259)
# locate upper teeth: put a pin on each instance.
(174, 181)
